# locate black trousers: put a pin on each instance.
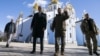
(41, 43)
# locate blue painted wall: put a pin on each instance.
(51, 38)
(79, 35)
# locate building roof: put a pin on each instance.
(54, 1)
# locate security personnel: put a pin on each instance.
(89, 28)
(59, 25)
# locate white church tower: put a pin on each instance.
(71, 26)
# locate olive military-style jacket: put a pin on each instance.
(85, 27)
(59, 22)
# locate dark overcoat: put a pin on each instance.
(38, 24)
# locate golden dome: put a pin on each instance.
(35, 6)
(54, 1)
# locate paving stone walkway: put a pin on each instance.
(24, 49)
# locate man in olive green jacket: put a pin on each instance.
(59, 26)
(89, 28)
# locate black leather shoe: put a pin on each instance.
(90, 53)
(55, 54)
(7, 45)
(41, 52)
(32, 52)
(62, 53)
(96, 53)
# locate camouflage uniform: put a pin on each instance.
(59, 26)
(89, 28)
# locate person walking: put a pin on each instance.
(10, 30)
(89, 29)
(59, 26)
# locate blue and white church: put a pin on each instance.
(73, 32)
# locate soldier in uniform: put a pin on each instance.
(59, 26)
(89, 28)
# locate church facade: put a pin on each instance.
(73, 32)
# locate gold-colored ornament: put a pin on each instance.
(36, 6)
(55, 1)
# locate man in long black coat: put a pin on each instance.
(38, 26)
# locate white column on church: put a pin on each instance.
(74, 35)
(66, 33)
(45, 37)
(66, 36)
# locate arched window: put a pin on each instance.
(55, 7)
